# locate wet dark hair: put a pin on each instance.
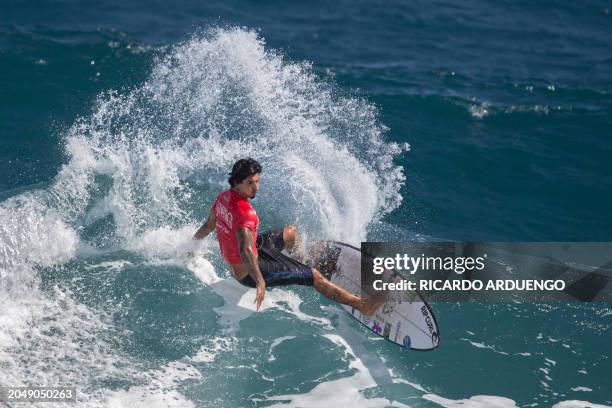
(242, 169)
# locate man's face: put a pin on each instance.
(248, 187)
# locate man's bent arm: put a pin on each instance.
(246, 244)
(207, 227)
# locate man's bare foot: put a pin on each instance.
(371, 305)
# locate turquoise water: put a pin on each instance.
(119, 123)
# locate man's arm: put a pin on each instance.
(207, 227)
(246, 243)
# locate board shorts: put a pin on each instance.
(277, 268)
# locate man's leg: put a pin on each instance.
(293, 242)
(340, 295)
(295, 246)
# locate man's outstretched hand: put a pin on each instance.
(259, 297)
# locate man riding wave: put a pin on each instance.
(256, 260)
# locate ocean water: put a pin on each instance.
(395, 121)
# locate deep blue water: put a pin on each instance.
(507, 110)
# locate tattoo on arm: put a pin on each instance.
(246, 243)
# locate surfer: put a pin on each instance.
(256, 260)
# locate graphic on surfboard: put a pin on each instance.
(404, 319)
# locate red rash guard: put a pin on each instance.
(232, 212)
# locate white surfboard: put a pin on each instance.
(405, 319)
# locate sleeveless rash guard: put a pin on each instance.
(232, 211)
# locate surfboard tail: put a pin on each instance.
(406, 319)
